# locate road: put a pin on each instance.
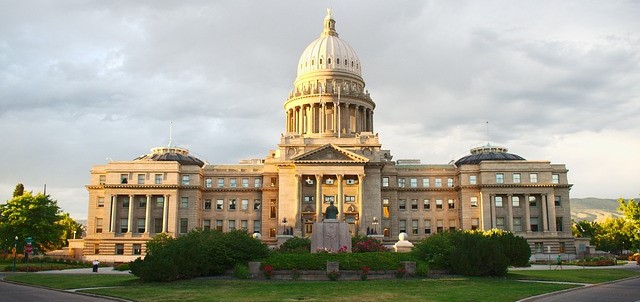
(15, 292)
(621, 291)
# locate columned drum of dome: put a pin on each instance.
(328, 98)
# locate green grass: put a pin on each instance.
(69, 281)
(574, 275)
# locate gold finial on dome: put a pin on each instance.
(329, 25)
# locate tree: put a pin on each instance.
(630, 209)
(615, 235)
(19, 190)
(585, 229)
(70, 228)
(35, 216)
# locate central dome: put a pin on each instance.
(329, 52)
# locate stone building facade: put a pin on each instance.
(328, 152)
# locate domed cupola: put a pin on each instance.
(176, 154)
(328, 98)
(487, 152)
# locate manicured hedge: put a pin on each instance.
(348, 261)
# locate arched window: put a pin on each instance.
(351, 63)
(338, 61)
(313, 62)
(320, 61)
(345, 62)
(329, 61)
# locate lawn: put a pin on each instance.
(406, 290)
(37, 265)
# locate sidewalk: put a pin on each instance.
(88, 271)
(540, 267)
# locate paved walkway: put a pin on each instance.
(541, 267)
(101, 271)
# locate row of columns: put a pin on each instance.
(130, 215)
(546, 219)
(302, 119)
(319, 197)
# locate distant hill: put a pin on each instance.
(593, 209)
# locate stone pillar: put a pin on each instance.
(114, 213)
(298, 203)
(545, 223)
(340, 198)
(147, 216)
(509, 213)
(318, 197)
(335, 118)
(323, 115)
(492, 199)
(130, 217)
(360, 200)
(552, 212)
(527, 214)
(165, 213)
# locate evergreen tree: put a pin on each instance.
(19, 190)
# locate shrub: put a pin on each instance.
(363, 244)
(348, 261)
(241, 271)
(195, 254)
(422, 269)
(514, 247)
(435, 250)
(122, 267)
(296, 245)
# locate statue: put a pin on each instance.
(331, 212)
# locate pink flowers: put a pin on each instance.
(268, 271)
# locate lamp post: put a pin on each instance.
(15, 252)
(375, 225)
(74, 234)
(284, 226)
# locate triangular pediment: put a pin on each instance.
(330, 154)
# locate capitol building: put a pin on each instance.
(328, 152)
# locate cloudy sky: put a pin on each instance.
(82, 82)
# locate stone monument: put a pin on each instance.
(331, 235)
(403, 245)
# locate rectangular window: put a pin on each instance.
(413, 182)
(159, 202)
(158, 179)
(475, 223)
(98, 225)
(272, 231)
(244, 204)
(219, 225)
(257, 225)
(219, 204)
(329, 198)
(274, 181)
(119, 249)
(102, 179)
(141, 222)
(439, 226)
(439, 204)
(517, 224)
(141, 179)
(414, 204)
(403, 226)
(351, 181)
(233, 182)
(142, 202)
(500, 223)
(244, 225)
(232, 204)
(256, 204)
(385, 181)
(473, 179)
(157, 225)
(533, 202)
(556, 201)
(414, 227)
(245, 182)
(562, 247)
(124, 225)
(498, 200)
(349, 198)
(184, 225)
(232, 225)
(450, 182)
(137, 249)
(452, 205)
(206, 224)
(452, 225)
(124, 178)
(426, 205)
(499, 178)
(185, 180)
(328, 181)
(425, 182)
(401, 182)
(533, 177)
(534, 224)
(207, 204)
(427, 227)
(208, 182)
(257, 182)
(402, 204)
(538, 247)
(515, 201)
(220, 182)
(273, 209)
(473, 200)
(385, 208)
(516, 178)
(438, 182)
(184, 202)
(555, 178)
(100, 202)
(559, 226)
(125, 202)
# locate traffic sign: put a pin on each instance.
(29, 240)
(28, 248)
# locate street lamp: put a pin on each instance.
(375, 225)
(284, 226)
(15, 251)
